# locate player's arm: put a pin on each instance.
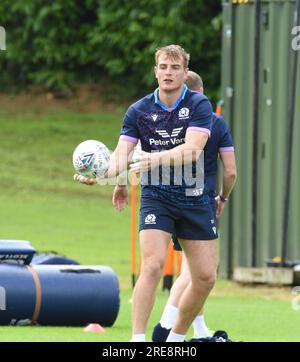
(179, 155)
(187, 152)
(229, 179)
(119, 162)
(120, 158)
(229, 173)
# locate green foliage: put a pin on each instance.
(128, 34)
(59, 43)
(47, 42)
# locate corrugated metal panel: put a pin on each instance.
(225, 224)
(237, 72)
(294, 226)
(242, 129)
(236, 232)
(274, 86)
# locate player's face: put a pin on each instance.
(170, 73)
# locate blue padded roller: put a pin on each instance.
(58, 295)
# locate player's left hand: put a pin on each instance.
(146, 162)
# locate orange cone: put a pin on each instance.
(94, 327)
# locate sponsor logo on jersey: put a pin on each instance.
(154, 117)
(164, 134)
(168, 139)
(172, 141)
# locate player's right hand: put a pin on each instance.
(84, 180)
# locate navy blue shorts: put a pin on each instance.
(176, 244)
(195, 222)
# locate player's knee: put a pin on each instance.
(207, 280)
(153, 269)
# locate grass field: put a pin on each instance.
(41, 203)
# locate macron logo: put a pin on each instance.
(154, 117)
(164, 134)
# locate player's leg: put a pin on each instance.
(156, 228)
(169, 315)
(171, 309)
(154, 245)
(197, 232)
(199, 325)
(170, 312)
(202, 261)
(180, 284)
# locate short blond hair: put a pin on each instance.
(194, 81)
(174, 52)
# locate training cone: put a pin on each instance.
(94, 327)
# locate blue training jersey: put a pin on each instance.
(161, 128)
(219, 141)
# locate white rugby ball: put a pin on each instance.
(91, 158)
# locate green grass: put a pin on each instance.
(41, 203)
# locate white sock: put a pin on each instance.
(138, 338)
(169, 316)
(175, 337)
(200, 329)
